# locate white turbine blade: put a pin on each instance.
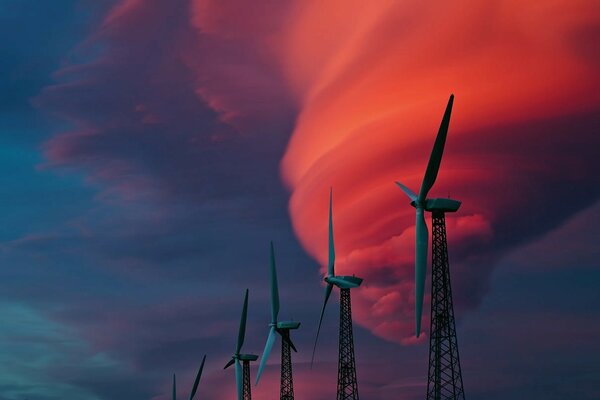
(242, 331)
(331, 263)
(407, 191)
(328, 290)
(266, 352)
(197, 381)
(174, 390)
(239, 380)
(274, 289)
(422, 238)
(436, 154)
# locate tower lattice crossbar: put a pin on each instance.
(347, 383)
(444, 377)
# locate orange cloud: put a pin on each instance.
(372, 81)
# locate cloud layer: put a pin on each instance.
(373, 92)
(184, 135)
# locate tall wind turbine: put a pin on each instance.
(242, 375)
(347, 385)
(286, 391)
(444, 377)
(196, 382)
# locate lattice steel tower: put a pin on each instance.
(286, 388)
(347, 386)
(247, 389)
(444, 377)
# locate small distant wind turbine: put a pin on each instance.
(242, 376)
(347, 386)
(196, 382)
(283, 329)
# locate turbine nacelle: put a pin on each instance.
(247, 357)
(344, 282)
(241, 357)
(287, 325)
(284, 325)
(439, 204)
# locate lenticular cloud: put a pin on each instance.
(372, 82)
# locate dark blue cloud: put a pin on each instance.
(159, 218)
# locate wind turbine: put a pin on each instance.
(242, 375)
(196, 382)
(444, 377)
(286, 391)
(347, 385)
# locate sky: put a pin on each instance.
(151, 149)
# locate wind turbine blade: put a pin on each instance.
(266, 352)
(331, 263)
(328, 290)
(436, 154)
(422, 238)
(242, 331)
(407, 191)
(174, 390)
(197, 381)
(239, 380)
(274, 289)
(229, 364)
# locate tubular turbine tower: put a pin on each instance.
(444, 377)
(347, 385)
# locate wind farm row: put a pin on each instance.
(444, 374)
